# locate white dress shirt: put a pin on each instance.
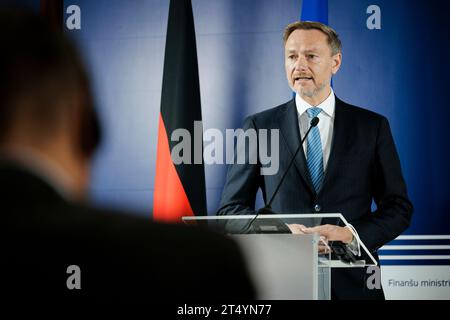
(325, 126)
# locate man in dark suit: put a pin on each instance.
(53, 244)
(348, 160)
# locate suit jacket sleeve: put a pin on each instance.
(394, 210)
(243, 179)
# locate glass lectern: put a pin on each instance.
(285, 265)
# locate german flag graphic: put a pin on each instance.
(179, 188)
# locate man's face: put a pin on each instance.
(309, 64)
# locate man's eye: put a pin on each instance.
(312, 56)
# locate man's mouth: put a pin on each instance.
(302, 78)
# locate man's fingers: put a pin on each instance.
(317, 229)
(296, 228)
(323, 230)
(324, 249)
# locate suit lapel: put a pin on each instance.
(339, 142)
(288, 123)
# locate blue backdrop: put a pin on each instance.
(400, 71)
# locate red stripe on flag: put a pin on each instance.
(170, 202)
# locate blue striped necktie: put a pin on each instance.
(314, 152)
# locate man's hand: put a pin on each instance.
(297, 228)
(331, 232)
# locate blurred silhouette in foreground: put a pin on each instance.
(53, 243)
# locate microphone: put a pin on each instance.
(268, 209)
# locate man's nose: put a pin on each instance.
(301, 64)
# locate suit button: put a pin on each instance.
(317, 208)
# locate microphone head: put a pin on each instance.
(314, 121)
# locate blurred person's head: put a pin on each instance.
(45, 96)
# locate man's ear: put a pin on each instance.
(337, 60)
(90, 133)
(86, 128)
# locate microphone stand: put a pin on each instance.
(267, 209)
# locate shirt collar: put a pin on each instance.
(328, 105)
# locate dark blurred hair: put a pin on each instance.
(42, 74)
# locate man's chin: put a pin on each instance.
(307, 92)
